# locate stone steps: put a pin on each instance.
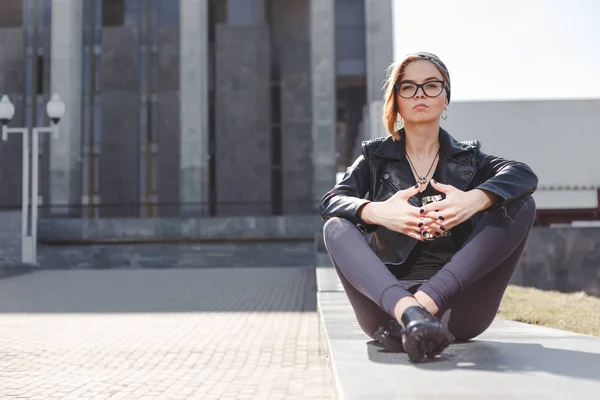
(205, 255)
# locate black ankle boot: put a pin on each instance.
(390, 336)
(424, 335)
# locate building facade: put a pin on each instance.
(192, 107)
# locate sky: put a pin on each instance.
(507, 49)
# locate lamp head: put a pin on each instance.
(7, 110)
(56, 109)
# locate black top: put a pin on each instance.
(427, 257)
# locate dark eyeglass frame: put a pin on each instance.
(419, 86)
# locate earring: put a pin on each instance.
(444, 116)
(399, 123)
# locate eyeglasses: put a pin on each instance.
(406, 90)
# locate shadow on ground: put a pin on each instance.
(501, 357)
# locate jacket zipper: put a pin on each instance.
(388, 185)
(394, 189)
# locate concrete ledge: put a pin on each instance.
(63, 230)
(510, 360)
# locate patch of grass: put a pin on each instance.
(575, 312)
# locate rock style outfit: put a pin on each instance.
(465, 272)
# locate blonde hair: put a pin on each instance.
(395, 75)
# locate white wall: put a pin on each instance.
(558, 139)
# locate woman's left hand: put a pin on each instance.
(456, 208)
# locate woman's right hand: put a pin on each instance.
(396, 214)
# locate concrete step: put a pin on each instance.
(206, 255)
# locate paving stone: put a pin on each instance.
(178, 333)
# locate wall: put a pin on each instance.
(243, 116)
(12, 83)
(555, 137)
(10, 235)
(563, 259)
(120, 119)
(10, 245)
(291, 57)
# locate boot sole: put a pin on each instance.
(390, 344)
(426, 343)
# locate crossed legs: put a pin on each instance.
(467, 290)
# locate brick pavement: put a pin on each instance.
(243, 333)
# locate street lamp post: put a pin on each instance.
(56, 110)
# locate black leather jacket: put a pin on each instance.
(382, 170)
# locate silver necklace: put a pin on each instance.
(422, 179)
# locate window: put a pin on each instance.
(168, 12)
(40, 75)
(113, 12)
(11, 13)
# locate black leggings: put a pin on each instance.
(467, 290)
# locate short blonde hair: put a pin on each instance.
(395, 75)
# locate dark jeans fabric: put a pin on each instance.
(467, 290)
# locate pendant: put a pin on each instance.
(422, 179)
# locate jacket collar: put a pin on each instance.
(396, 149)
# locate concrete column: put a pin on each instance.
(66, 67)
(323, 80)
(193, 167)
(245, 12)
(380, 54)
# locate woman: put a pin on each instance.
(425, 231)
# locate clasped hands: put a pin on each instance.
(398, 215)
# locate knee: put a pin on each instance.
(528, 205)
(330, 225)
(522, 209)
(525, 206)
(332, 228)
(526, 209)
